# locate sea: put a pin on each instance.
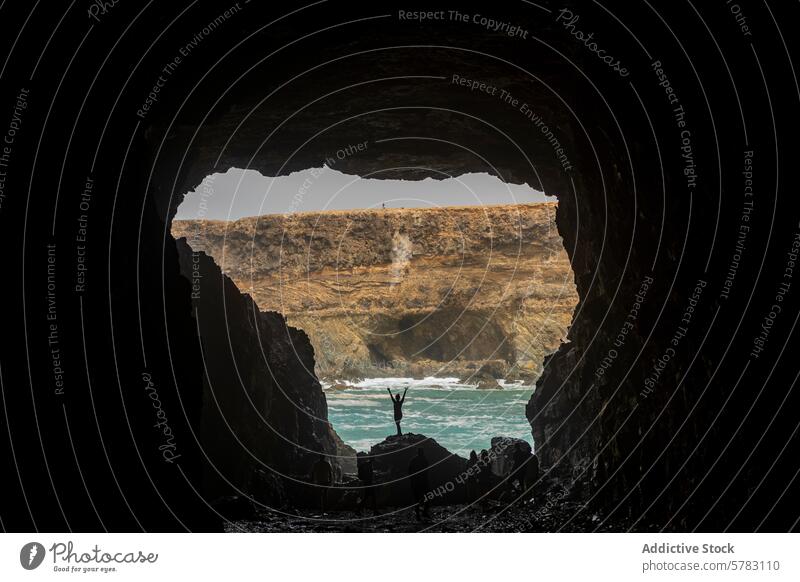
(459, 417)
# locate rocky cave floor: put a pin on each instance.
(530, 517)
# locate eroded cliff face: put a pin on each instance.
(465, 291)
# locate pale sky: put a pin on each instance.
(239, 193)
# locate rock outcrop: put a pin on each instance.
(264, 418)
(473, 292)
(392, 457)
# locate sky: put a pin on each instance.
(240, 193)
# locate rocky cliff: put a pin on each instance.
(465, 291)
(713, 448)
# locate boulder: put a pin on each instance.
(488, 384)
(485, 378)
(392, 457)
(458, 294)
(502, 453)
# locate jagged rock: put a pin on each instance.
(391, 459)
(263, 407)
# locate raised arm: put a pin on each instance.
(403, 399)
(389, 390)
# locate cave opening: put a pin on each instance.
(454, 287)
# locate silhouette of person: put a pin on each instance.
(322, 475)
(397, 402)
(366, 476)
(418, 476)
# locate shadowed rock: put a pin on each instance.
(264, 416)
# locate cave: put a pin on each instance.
(642, 415)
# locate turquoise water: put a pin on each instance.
(459, 417)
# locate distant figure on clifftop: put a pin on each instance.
(398, 407)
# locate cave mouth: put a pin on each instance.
(455, 287)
